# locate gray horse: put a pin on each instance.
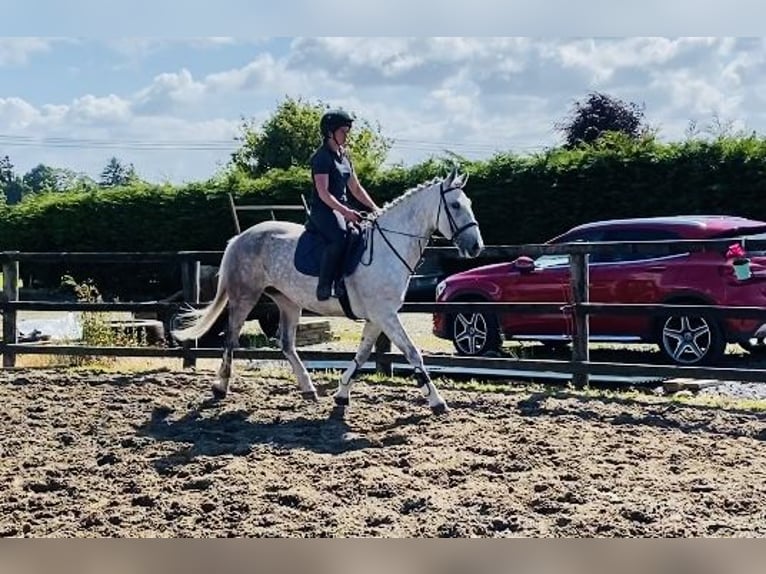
(260, 260)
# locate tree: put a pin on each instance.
(43, 179)
(40, 179)
(115, 174)
(6, 171)
(11, 185)
(600, 113)
(69, 180)
(291, 134)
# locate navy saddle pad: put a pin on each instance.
(311, 245)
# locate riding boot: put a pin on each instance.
(327, 271)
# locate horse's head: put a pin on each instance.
(455, 219)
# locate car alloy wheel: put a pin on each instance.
(475, 333)
(691, 340)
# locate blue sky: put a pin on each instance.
(172, 104)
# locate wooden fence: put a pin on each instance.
(580, 366)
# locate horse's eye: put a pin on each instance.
(455, 205)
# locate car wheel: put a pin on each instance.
(269, 324)
(475, 333)
(213, 338)
(691, 340)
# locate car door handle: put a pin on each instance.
(657, 267)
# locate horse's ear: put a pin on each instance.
(463, 179)
(450, 179)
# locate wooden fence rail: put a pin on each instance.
(580, 366)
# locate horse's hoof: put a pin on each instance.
(338, 413)
(310, 396)
(440, 409)
(218, 394)
(341, 401)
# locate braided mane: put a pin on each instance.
(407, 194)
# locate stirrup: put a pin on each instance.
(324, 292)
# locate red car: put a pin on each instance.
(705, 278)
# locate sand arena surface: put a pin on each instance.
(144, 454)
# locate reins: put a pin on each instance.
(454, 229)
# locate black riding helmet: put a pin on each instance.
(332, 120)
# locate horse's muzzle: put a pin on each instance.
(475, 249)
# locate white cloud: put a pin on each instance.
(474, 96)
(408, 61)
(17, 114)
(167, 91)
(268, 75)
(603, 57)
(17, 51)
(261, 72)
(90, 109)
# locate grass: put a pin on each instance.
(346, 337)
(330, 377)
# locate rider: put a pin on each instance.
(333, 176)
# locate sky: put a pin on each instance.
(170, 100)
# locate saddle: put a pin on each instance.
(311, 246)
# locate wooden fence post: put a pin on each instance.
(233, 208)
(383, 365)
(190, 271)
(578, 268)
(10, 293)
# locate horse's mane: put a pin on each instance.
(407, 194)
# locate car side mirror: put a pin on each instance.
(523, 264)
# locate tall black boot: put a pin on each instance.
(327, 271)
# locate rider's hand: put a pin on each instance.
(352, 215)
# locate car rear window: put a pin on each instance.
(629, 235)
(747, 238)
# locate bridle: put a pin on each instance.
(455, 231)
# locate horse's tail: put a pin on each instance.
(197, 322)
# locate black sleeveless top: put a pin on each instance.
(338, 168)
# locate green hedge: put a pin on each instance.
(517, 199)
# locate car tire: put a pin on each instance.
(269, 324)
(690, 340)
(475, 334)
(213, 338)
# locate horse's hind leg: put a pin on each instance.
(238, 309)
(370, 334)
(289, 316)
(393, 328)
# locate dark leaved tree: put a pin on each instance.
(600, 113)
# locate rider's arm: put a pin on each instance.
(322, 184)
(360, 193)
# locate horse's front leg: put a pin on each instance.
(370, 334)
(393, 328)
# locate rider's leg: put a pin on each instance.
(328, 269)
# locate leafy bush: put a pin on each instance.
(97, 330)
(517, 199)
